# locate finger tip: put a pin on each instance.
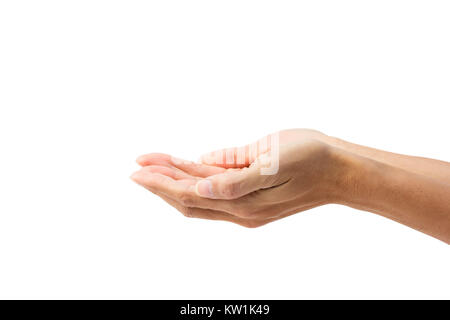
(135, 176)
(140, 160)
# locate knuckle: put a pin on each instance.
(267, 213)
(247, 212)
(242, 212)
(251, 224)
(188, 212)
(186, 200)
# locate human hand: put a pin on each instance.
(236, 191)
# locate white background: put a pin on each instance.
(87, 86)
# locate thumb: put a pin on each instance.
(232, 184)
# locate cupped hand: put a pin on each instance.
(235, 184)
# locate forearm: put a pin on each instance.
(415, 200)
(432, 168)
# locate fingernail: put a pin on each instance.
(204, 188)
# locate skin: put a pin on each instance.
(314, 170)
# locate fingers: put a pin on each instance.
(159, 182)
(229, 158)
(240, 157)
(230, 186)
(210, 214)
(171, 172)
(182, 190)
(255, 205)
(192, 168)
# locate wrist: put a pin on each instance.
(345, 181)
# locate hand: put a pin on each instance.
(236, 191)
(312, 169)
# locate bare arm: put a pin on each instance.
(314, 169)
(418, 201)
(432, 168)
